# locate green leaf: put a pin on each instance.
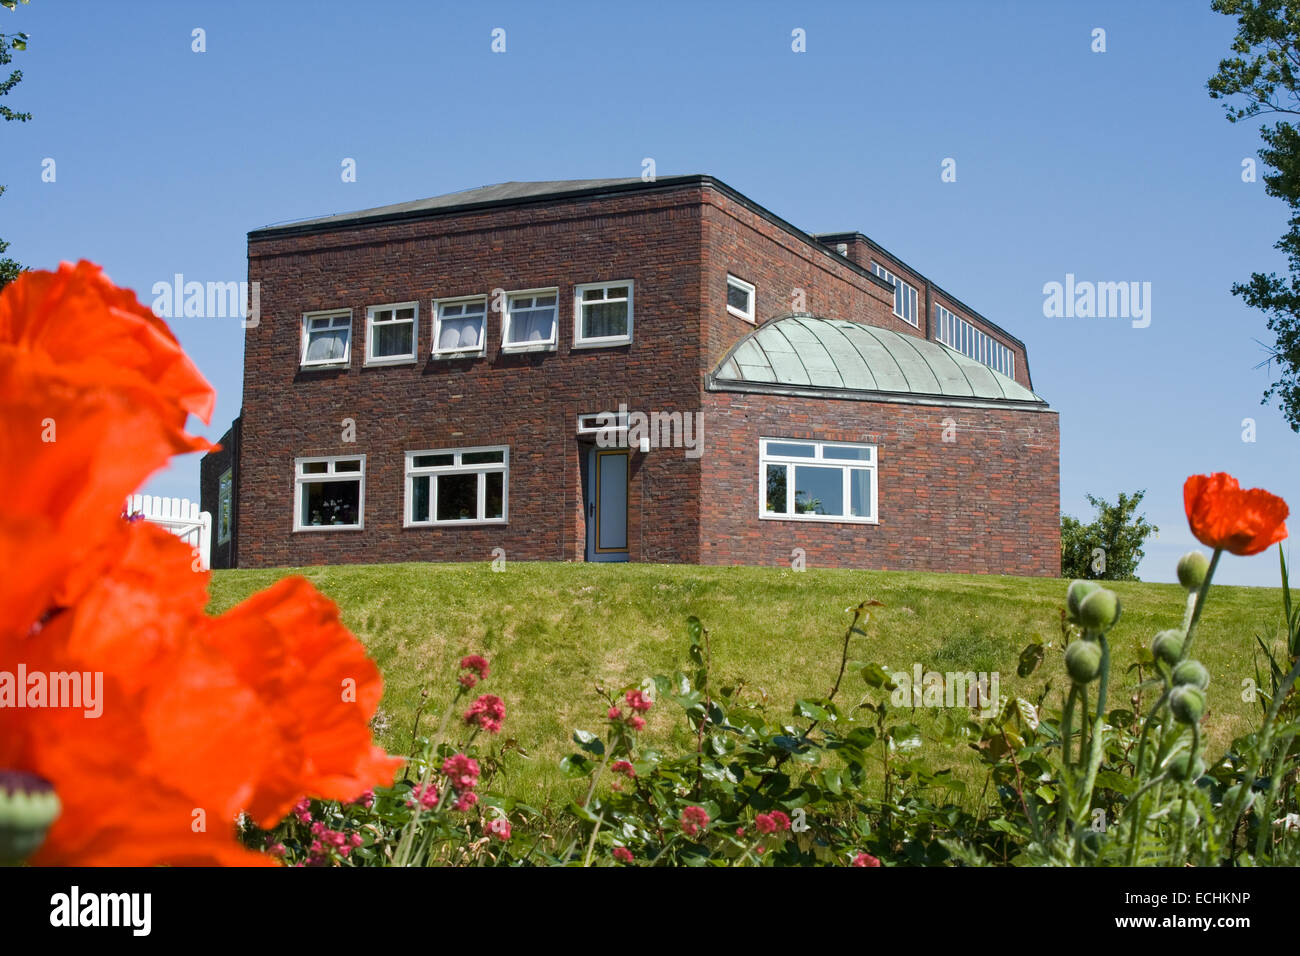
(589, 742)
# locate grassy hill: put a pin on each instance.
(555, 631)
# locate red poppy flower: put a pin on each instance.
(191, 719)
(95, 391)
(1223, 516)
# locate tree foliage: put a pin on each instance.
(9, 268)
(1109, 548)
(1263, 76)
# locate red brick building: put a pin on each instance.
(623, 370)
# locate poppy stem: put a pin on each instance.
(1200, 603)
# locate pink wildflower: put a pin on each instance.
(772, 822)
(302, 810)
(636, 723)
(622, 854)
(487, 712)
(623, 767)
(499, 827)
(638, 701)
(462, 770)
(614, 714)
(692, 819)
(865, 859)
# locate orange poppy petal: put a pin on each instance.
(288, 643)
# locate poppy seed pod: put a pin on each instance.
(1167, 646)
(1193, 673)
(1074, 597)
(1182, 768)
(1099, 610)
(1192, 568)
(1187, 701)
(28, 805)
(1083, 661)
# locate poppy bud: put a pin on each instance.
(1192, 568)
(1083, 661)
(1193, 673)
(1182, 768)
(28, 805)
(1167, 646)
(1099, 610)
(1187, 701)
(1074, 597)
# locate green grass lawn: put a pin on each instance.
(555, 631)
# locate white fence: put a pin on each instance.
(180, 516)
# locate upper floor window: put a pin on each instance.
(740, 298)
(329, 493)
(905, 297)
(326, 337)
(457, 485)
(817, 480)
(955, 332)
(602, 314)
(391, 333)
(225, 501)
(530, 320)
(460, 326)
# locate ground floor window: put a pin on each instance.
(457, 485)
(225, 496)
(817, 480)
(329, 493)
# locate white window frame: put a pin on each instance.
(306, 340)
(952, 330)
(600, 341)
(818, 460)
(905, 292)
(748, 287)
(225, 504)
(456, 468)
(371, 358)
(481, 350)
(549, 346)
(330, 474)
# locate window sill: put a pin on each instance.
(821, 519)
(601, 343)
(394, 360)
(474, 523)
(458, 354)
(515, 349)
(323, 366)
(740, 315)
(330, 527)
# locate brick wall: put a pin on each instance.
(988, 502)
(527, 401)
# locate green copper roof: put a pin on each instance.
(833, 358)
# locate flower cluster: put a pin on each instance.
(865, 859)
(693, 820)
(499, 827)
(462, 773)
(639, 704)
(329, 842)
(487, 712)
(425, 795)
(475, 668)
(623, 767)
(773, 822)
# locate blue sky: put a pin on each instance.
(1112, 166)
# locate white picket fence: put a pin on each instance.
(180, 516)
